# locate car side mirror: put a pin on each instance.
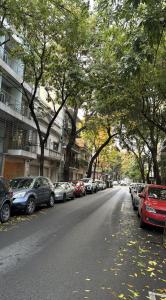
(141, 195)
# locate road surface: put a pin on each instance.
(89, 248)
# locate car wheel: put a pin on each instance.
(142, 223)
(134, 207)
(51, 201)
(30, 206)
(5, 213)
(72, 197)
(64, 198)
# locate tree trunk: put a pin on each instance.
(148, 173)
(94, 157)
(94, 171)
(156, 168)
(41, 158)
(142, 170)
(67, 164)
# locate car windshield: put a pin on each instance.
(25, 183)
(85, 180)
(157, 193)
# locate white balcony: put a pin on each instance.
(22, 153)
(12, 62)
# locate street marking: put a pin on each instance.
(123, 205)
(153, 295)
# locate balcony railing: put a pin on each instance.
(14, 104)
(11, 61)
(22, 145)
(54, 154)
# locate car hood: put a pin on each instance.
(157, 204)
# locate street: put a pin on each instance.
(89, 248)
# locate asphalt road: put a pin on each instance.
(89, 248)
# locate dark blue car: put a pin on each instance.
(29, 192)
(5, 200)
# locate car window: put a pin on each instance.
(157, 193)
(37, 183)
(44, 181)
(25, 183)
(15, 182)
(140, 189)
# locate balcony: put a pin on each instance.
(14, 104)
(83, 163)
(55, 155)
(25, 150)
(74, 164)
(11, 62)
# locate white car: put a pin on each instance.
(101, 184)
(63, 191)
(115, 182)
(90, 185)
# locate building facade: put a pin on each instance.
(19, 143)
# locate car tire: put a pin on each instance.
(134, 207)
(142, 223)
(5, 213)
(72, 197)
(30, 208)
(64, 198)
(51, 201)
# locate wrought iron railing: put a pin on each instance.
(22, 145)
(55, 154)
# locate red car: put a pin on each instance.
(79, 188)
(152, 206)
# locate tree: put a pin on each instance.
(98, 136)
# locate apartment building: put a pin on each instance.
(19, 143)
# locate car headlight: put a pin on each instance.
(150, 209)
(19, 195)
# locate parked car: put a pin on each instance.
(115, 182)
(152, 207)
(5, 200)
(63, 191)
(131, 186)
(29, 192)
(90, 185)
(101, 184)
(135, 195)
(79, 188)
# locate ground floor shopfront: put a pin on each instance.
(12, 167)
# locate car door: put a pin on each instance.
(39, 190)
(46, 189)
(68, 190)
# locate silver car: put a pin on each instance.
(63, 191)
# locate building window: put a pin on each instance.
(55, 146)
